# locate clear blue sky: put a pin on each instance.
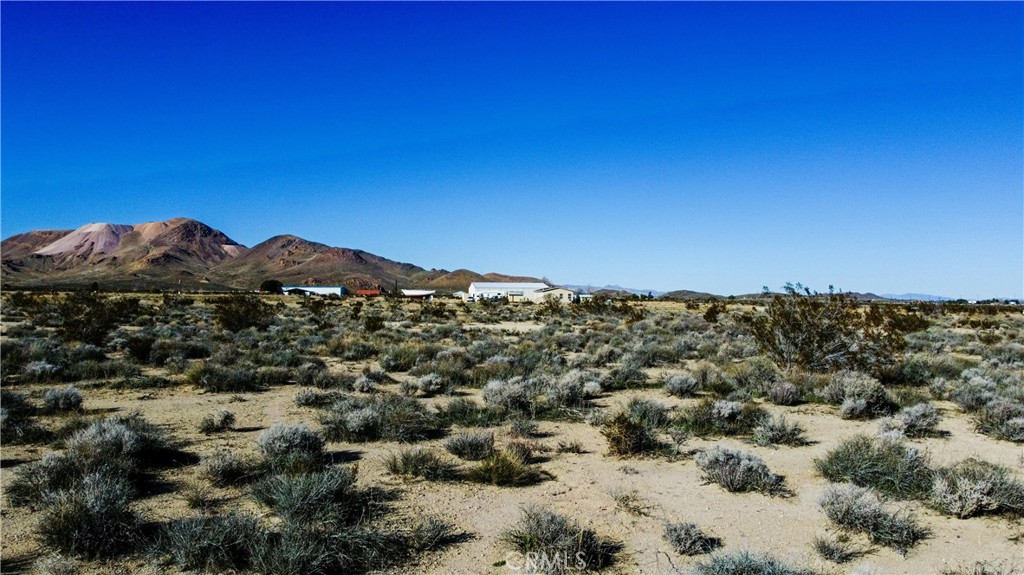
(716, 147)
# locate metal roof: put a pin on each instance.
(507, 285)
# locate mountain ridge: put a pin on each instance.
(186, 253)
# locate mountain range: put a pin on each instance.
(183, 253)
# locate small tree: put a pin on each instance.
(827, 332)
(272, 286)
(239, 312)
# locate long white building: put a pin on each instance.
(494, 290)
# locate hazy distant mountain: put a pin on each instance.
(916, 297)
(189, 254)
(611, 288)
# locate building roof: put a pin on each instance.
(553, 288)
(417, 292)
(507, 285)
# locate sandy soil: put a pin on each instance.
(583, 488)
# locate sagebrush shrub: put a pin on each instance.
(722, 417)
(419, 462)
(291, 446)
(973, 487)
(682, 384)
(92, 519)
(224, 467)
(746, 563)
(222, 420)
(565, 544)
(778, 431)
(738, 471)
(62, 400)
(470, 446)
(689, 539)
(211, 543)
(859, 509)
(320, 495)
(379, 417)
(890, 466)
(859, 396)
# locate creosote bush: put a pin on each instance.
(738, 472)
(859, 509)
(689, 539)
(558, 544)
(888, 465)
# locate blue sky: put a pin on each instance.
(716, 147)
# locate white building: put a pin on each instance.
(495, 290)
(316, 290)
(559, 294)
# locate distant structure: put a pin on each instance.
(418, 293)
(314, 290)
(517, 292)
(368, 292)
(559, 294)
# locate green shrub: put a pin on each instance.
(418, 462)
(837, 550)
(505, 469)
(465, 412)
(722, 417)
(828, 332)
(224, 467)
(238, 312)
(628, 436)
(889, 466)
(221, 379)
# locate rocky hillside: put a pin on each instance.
(187, 254)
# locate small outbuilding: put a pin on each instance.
(315, 290)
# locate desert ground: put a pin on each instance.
(547, 382)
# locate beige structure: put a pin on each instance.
(559, 294)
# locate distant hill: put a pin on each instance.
(684, 294)
(185, 253)
(916, 297)
(610, 289)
